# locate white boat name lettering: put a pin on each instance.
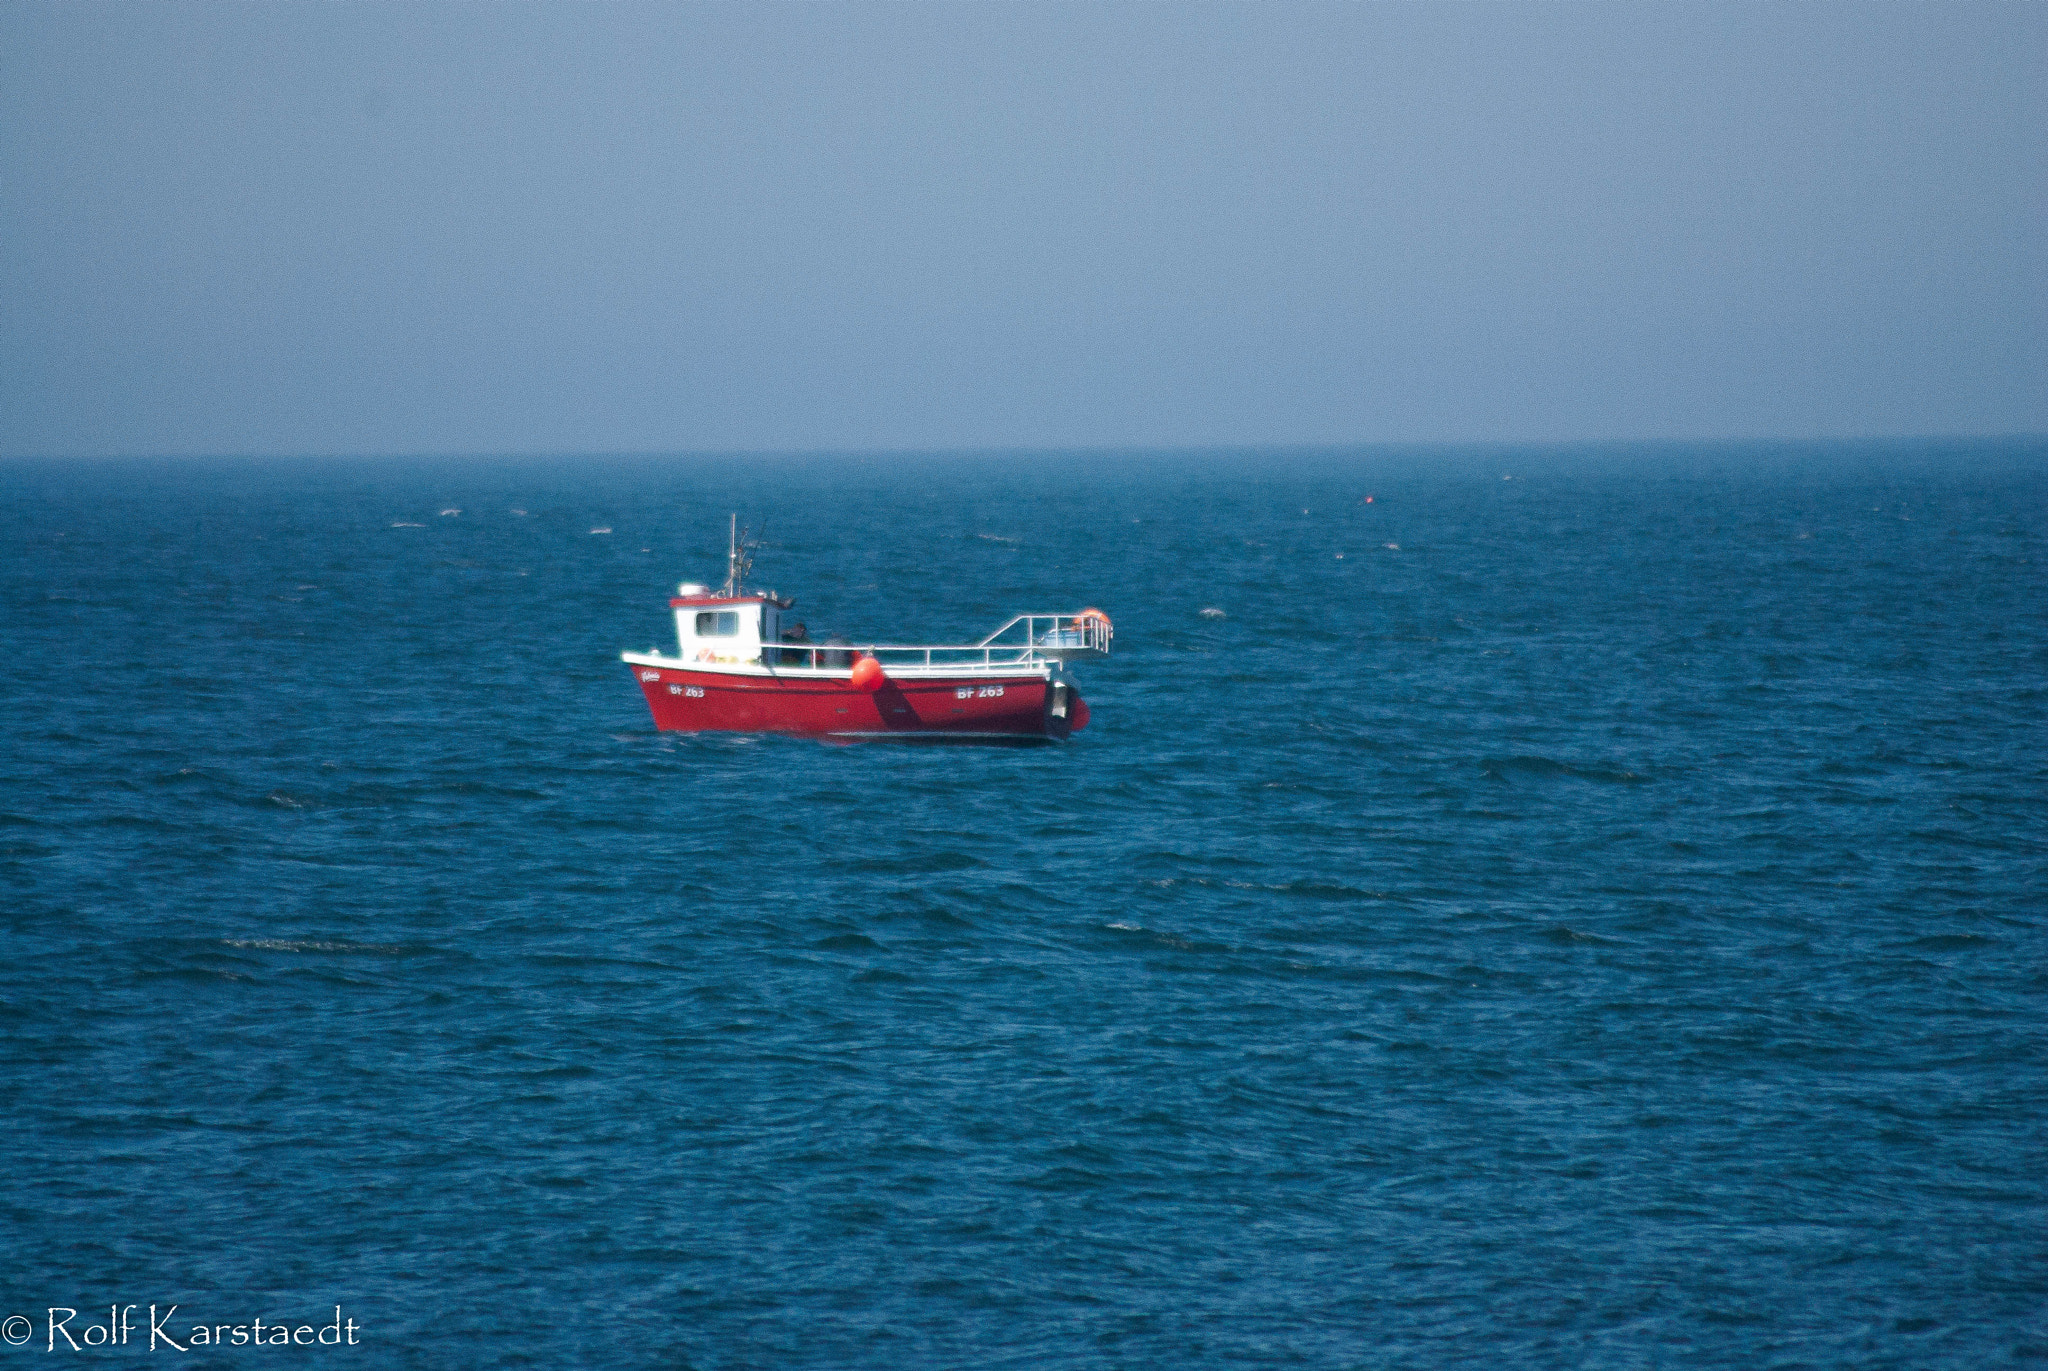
(971, 692)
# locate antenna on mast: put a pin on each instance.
(739, 557)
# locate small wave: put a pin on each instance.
(595, 531)
(401, 523)
(1212, 613)
(1565, 935)
(997, 538)
(1952, 942)
(450, 513)
(848, 942)
(925, 864)
(1324, 890)
(310, 945)
(1308, 889)
(1508, 768)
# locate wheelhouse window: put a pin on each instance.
(718, 623)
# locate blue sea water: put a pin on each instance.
(1572, 909)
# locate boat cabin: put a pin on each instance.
(724, 628)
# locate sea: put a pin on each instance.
(1511, 907)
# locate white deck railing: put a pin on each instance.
(1029, 640)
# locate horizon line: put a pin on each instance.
(1472, 446)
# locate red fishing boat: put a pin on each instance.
(737, 668)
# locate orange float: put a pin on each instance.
(867, 674)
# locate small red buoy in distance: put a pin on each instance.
(867, 674)
(1077, 718)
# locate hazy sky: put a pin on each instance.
(441, 228)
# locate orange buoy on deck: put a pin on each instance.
(867, 674)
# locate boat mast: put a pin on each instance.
(739, 559)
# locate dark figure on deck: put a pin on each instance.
(797, 634)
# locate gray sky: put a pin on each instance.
(436, 228)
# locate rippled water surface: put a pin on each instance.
(1591, 918)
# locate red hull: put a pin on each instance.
(966, 707)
